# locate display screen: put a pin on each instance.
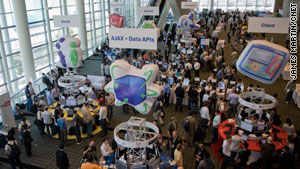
(261, 56)
(221, 86)
(186, 82)
(70, 102)
(81, 100)
(246, 126)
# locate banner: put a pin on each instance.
(268, 25)
(6, 111)
(189, 5)
(65, 20)
(117, 5)
(133, 38)
(148, 11)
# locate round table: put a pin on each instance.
(70, 122)
(254, 145)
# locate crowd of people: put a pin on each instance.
(204, 102)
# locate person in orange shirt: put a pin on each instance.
(90, 165)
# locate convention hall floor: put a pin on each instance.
(44, 148)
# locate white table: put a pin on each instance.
(286, 72)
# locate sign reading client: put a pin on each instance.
(133, 38)
(268, 25)
(134, 86)
(148, 11)
(65, 20)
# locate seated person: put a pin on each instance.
(17, 111)
(90, 165)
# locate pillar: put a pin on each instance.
(21, 20)
(137, 17)
(46, 13)
(82, 25)
(5, 66)
(212, 5)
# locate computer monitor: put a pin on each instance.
(246, 126)
(171, 81)
(221, 85)
(71, 102)
(186, 82)
(81, 100)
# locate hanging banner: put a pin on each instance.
(6, 111)
(117, 5)
(65, 20)
(133, 38)
(189, 5)
(268, 25)
(148, 11)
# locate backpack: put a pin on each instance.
(185, 124)
(15, 150)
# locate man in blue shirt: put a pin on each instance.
(49, 97)
(62, 124)
(28, 97)
(220, 74)
(233, 103)
(167, 90)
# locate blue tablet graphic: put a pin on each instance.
(263, 61)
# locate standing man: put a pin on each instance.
(13, 151)
(32, 92)
(49, 97)
(28, 97)
(205, 118)
(103, 118)
(189, 134)
(47, 119)
(235, 145)
(175, 140)
(197, 68)
(167, 90)
(62, 124)
(216, 123)
(109, 101)
(62, 160)
(226, 151)
(88, 119)
(267, 150)
(233, 103)
(179, 91)
(78, 121)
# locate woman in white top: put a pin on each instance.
(288, 127)
(105, 148)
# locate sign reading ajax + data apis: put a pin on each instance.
(133, 38)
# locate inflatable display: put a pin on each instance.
(69, 52)
(263, 61)
(188, 22)
(151, 25)
(134, 86)
(116, 20)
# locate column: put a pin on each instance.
(94, 23)
(137, 18)
(46, 13)
(212, 5)
(82, 26)
(21, 20)
(65, 7)
(7, 46)
(5, 66)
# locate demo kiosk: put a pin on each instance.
(254, 122)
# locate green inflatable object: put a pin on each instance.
(147, 26)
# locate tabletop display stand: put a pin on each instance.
(135, 147)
